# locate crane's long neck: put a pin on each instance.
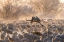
(41, 24)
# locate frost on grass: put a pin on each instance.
(52, 31)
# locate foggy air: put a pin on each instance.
(31, 20)
(17, 9)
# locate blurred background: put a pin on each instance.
(25, 9)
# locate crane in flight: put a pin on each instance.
(35, 19)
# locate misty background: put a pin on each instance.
(25, 9)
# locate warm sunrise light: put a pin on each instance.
(24, 0)
(62, 1)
